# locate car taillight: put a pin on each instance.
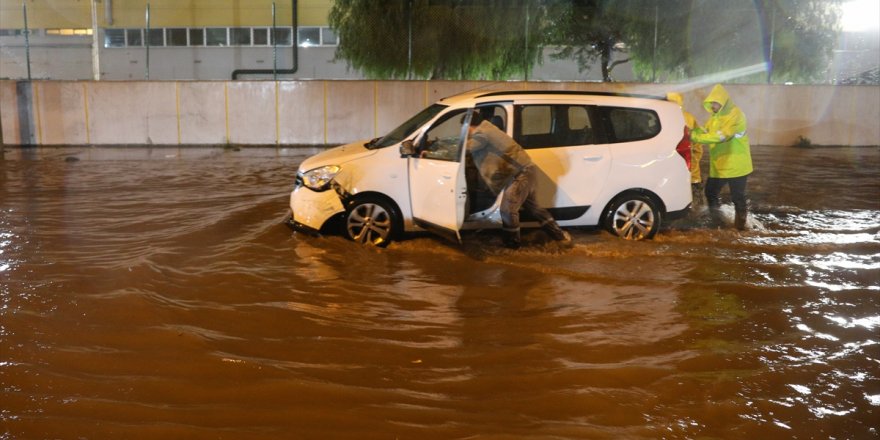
(684, 147)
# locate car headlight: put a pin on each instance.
(319, 179)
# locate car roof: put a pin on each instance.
(478, 96)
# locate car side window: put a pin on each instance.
(554, 125)
(494, 114)
(631, 124)
(445, 138)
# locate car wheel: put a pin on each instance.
(371, 221)
(633, 216)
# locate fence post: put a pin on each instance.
(654, 53)
(409, 44)
(526, 49)
(96, 48)
(147, 42)
(27, 40)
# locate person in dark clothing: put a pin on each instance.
(504, 165)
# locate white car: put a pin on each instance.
(604, 159)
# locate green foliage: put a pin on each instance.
(735, 40)
(805, 32)
(672, 40)
(437, 39)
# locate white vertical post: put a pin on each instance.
(147, 41)
(96, 47)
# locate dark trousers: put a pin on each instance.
(737, 192)
(521, 194)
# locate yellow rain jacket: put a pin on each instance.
(691, 122)
(725, 134)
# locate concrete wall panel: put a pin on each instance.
(332, 112)
(397, 101)
(61, 109)
(351, 111)
(9, 121)
(440, 89)
(133, 113)
(848, 120)
(202, 112)
(252, 112)
(301, 112)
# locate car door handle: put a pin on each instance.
(593, 158)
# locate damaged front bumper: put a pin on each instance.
(299, 227)
(309, 209)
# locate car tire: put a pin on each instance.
(632, 216)
(371, 221)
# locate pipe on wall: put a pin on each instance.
(108, 12)
(295, 61)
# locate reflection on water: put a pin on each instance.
(154, 293)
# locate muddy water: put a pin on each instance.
(152, 294)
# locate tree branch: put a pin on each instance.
(615, 63)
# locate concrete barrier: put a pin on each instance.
(333, 112)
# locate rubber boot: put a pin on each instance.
(511, 239)
(556, 233)
(742, 216)
(716, 218)
(697, 192)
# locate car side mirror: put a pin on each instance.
(407, 148)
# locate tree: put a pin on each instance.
(438, 39)
(803, 35)
(725, 40)
(733, 40)
(588, 31)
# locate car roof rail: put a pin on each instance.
(568, 92)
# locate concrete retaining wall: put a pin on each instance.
(332, 112)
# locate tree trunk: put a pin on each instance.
(605, 58)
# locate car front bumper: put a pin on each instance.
(309, 210)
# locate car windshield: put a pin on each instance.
(404, 130)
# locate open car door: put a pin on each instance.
(437, 184)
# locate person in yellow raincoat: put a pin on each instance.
(730, 158)
(696, 149)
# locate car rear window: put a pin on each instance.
(631, 124)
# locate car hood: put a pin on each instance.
(337, 155)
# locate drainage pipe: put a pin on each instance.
(295, 63)
(108, 12)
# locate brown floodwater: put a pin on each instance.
(156, 294)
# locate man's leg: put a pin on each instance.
(696, 179)
(514, 196)
(713, 199)
(740, 201)
(545, 219)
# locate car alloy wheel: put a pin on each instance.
(370, 222)
(633, 217)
